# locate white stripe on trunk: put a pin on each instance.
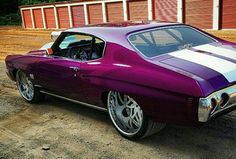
(218, 50)
(226, 68)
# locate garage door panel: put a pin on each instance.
(166, 10)
(167, 4)
(78, 18)
(230, 10)
(50, 17)
(199, 3)
(38, 18)
(95, 13)
(137, 10)
(199, 13)
(114, 12)
(228, 14)
(63, 17)
(27, 18)
(228, 18)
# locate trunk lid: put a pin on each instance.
(212, 65)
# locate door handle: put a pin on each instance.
(76, 69)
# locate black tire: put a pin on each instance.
(130, 125)
(24, 85)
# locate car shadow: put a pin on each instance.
(216, 139)
(51, 102)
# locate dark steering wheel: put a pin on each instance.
(78, 53)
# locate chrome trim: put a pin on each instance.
(76, 69)
(159, 28)
(207, 111)
(75, 101)
(39, 86)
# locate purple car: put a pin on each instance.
(145, 74)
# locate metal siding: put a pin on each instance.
(63, 17)
(199, 13)
(27, 19)
(228, 14)
(95, 13)
(50, 18)
(166, 10)
(137, 10)
(77, 13)
(114, 12)
(38, 20)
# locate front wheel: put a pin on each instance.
(128, 117)
(26, 88)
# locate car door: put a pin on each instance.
(59, 73)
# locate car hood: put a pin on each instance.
(213, 66)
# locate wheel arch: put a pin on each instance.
(159, 105)
(104, 97)
(14, 72)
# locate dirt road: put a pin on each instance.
(15, 40)
(73, 131)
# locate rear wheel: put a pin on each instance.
(26, 88)
(128, 117)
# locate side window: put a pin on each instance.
(98, 48)
(80, 47)
(72, 40)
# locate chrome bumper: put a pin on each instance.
(216, 103)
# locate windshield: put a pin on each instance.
(156, 42)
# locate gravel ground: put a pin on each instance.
(59, 129)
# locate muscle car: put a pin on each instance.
(145, 74)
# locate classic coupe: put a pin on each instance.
(145, 74)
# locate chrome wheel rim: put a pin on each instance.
(25, 86)
(125, 113)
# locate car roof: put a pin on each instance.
(113, 32)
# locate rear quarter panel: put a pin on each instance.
(164, 95)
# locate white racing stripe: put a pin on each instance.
(218, 50)
(226, 68)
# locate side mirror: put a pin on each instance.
(49, 51)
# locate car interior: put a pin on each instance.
(79, 47)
